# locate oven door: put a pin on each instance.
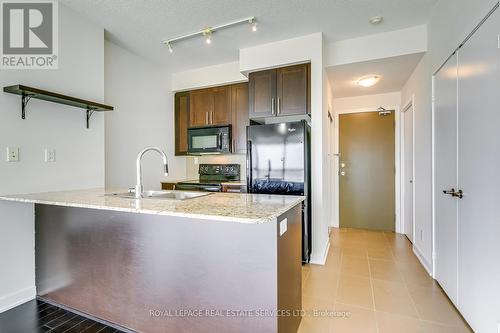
(213, 140)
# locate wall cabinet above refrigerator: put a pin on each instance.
(280, 92)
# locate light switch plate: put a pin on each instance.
(12, 154)
(283, 226)
(50, 155)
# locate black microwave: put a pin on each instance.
(209, 140)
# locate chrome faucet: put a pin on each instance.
(138, 187)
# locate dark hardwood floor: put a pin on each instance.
(37, 316)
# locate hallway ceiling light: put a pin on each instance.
(208, 31)
(368, 81)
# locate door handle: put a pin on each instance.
(452, 191)
(272, 106)
(278, 107)
(206, 117)
(458, 194)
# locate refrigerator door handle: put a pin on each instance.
(249, 166)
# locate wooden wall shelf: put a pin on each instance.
(27, 93)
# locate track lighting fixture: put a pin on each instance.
(208, 31)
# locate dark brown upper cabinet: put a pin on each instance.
(200, 107)
(221, 112)
(293, 90)
(240, 121)
(181, 122)
(262, 94)
(210, 107)
(280, 92)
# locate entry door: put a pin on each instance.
(479, 178)
(408, 172)
(445, 171)
(367, 171)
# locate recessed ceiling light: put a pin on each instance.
(368, 81)
(376, 20)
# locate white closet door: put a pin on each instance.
(479, 178)
(408, 172)
(445, 173)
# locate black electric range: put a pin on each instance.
(211, 178)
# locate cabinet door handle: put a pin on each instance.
(272, 106)
(279, 108)
(212, 117)
(206, 117)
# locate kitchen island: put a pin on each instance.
(224, 262)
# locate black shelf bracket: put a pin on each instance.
(24, 102)
(90, 112)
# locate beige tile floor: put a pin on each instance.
(372, 282)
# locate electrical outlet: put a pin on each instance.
(283, 226)
(50, 155)
(12, 154)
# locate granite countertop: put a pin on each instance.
(236, 207)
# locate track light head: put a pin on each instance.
(253, 22)
(170, 48)
(208, 35)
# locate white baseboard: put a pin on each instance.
(10, 301)
(427, 264)
(321, 259)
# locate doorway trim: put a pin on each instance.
(397, 158)
(410, 104)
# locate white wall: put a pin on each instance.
(208, 76)
(367, 102)
(451, 22)
(79, 151)
(292, 51)
(377, 46)
(143, 116)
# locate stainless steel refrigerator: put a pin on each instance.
(278, 162)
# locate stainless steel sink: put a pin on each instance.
(172, 195)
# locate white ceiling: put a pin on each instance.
(395, 71)
(140, 26)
